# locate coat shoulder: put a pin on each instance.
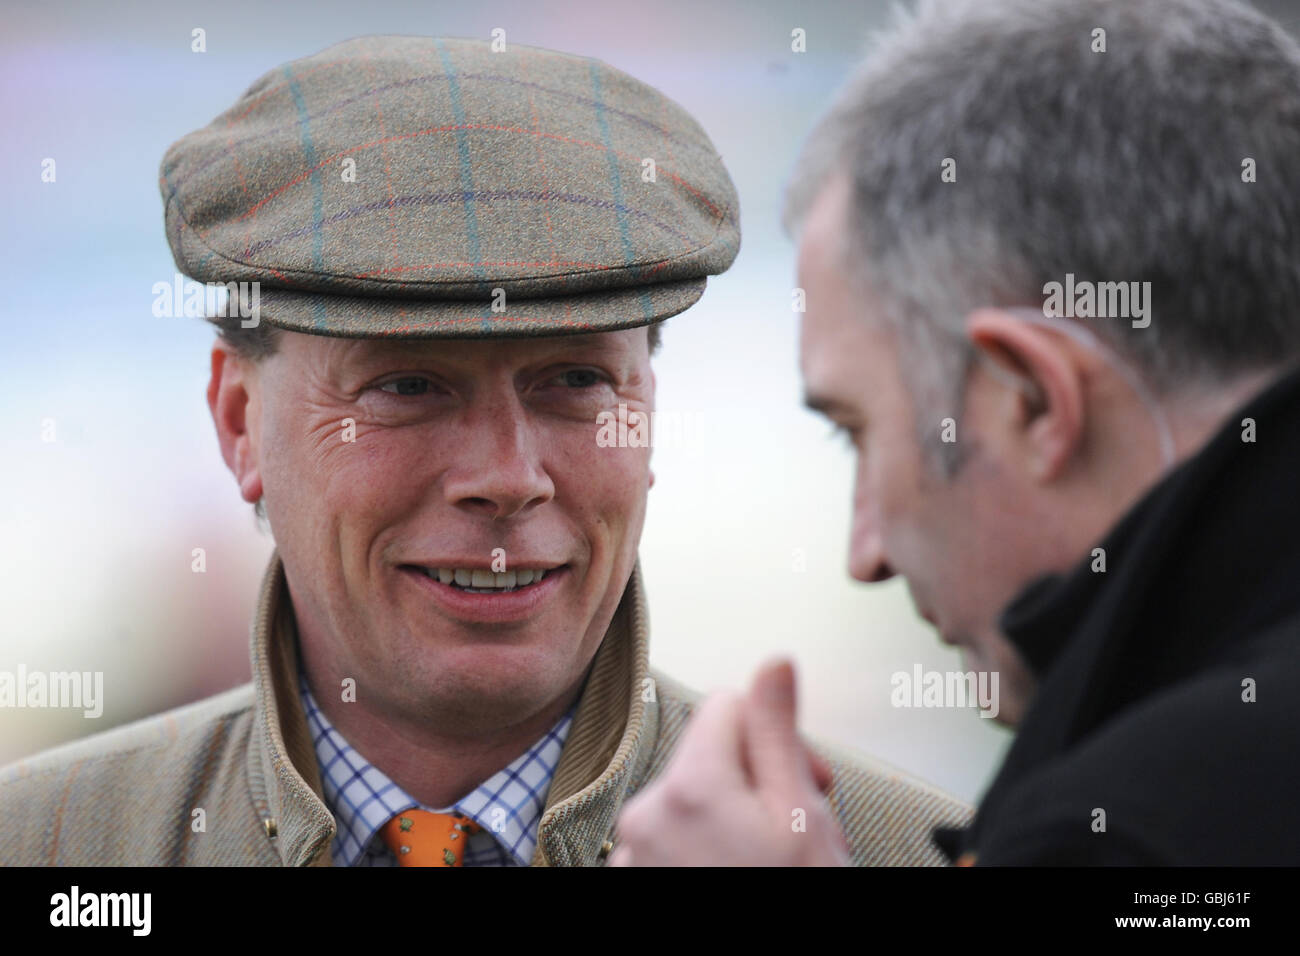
(128, 795)
(887, 815)
(1161, 772)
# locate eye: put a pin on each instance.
(409, 385)
(578, 378)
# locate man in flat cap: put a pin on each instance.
(1101, 300)
(457, 268)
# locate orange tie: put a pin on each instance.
(421, 838)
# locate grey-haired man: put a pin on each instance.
(1092, 492)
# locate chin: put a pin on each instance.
(472, 698)
(518, 671)
(973, 659)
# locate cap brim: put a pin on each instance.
(366, 317)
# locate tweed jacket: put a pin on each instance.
(131, 795)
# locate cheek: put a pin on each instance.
(389, 468)
(600, 492)
(970, 550)
(912, 515)
(601, 486)
(334, 471)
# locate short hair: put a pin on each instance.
(1123, 165)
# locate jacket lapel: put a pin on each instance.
(610, 743)
(283, 774)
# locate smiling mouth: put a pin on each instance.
(479, 581)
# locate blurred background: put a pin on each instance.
(110, 470)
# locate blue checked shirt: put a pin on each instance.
(508, 805)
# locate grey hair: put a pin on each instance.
(1125, 165)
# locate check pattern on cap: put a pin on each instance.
(391, 185)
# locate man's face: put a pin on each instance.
(461, 448)
(954, 540)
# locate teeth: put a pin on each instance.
(478, 580)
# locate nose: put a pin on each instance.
(867, 560)
(498, 470)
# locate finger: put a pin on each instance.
(711, 747)
(821, 771)
(777, 757)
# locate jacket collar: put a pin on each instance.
(1195, 571)
(1197, 562)
(609, 746)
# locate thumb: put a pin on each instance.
(777, 757)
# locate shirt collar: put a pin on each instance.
(508, 805)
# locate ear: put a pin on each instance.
(1045, 403)
(230, 391)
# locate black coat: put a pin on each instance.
(1143, 671)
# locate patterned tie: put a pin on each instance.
(421, 838)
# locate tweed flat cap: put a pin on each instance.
(419, 187)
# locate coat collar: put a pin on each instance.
(1195, 565)
(1195, 571)
(609, 746)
